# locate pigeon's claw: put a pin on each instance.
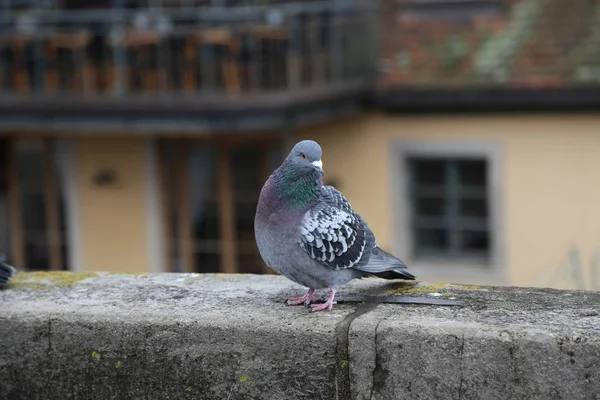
(328, 305)
(308, 298)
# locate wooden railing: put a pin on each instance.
(198, 52)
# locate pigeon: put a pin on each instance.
(6, 271)
(309, 233)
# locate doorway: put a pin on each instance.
(210, 192)
(32, 215)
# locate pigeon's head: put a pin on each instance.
(306, 155)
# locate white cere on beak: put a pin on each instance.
(318, 164)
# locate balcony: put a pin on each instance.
(182, 66)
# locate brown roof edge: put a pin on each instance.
(488, 100)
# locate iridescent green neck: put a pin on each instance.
(299, 189)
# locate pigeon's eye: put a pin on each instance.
(302, 155)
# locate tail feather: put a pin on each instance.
(6, 271)
(384, 265)
(395, 274)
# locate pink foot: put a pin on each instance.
(328, 305)
(308, 298)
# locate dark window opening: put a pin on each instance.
(450, 208)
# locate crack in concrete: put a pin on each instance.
(378, 370)
(460, 366)
(342, 368)
(512, 355)
(49, 334)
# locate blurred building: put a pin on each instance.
(135, 136)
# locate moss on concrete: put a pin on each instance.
(409, 288)
(228, 277)
(48, 279)
(142, 274)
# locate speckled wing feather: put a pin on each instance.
(335, 198)
(333, 234)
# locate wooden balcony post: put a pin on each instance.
(167, 199)
(230, 64)
(294, 56)
(14, 206)
(51, 77)
(334, 47)
(51, 203)
(227, 228)
(185, 234)
(190, 61)
(20, 73)
(76, 44)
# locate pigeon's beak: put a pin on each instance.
(319, 165)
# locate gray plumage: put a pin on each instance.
(6, 271)
(309, 232)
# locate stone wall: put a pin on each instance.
(115, 336)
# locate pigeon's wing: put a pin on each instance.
(336, 236)
(333, 234)
(335, 198)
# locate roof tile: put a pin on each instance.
(530, 44)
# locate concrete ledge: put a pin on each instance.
(113, 336)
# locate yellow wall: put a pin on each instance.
(112, 219)
(550, 183)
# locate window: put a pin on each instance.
(449, 207)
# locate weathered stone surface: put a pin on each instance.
(176, 336)
(507, 343)
(169, 336)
